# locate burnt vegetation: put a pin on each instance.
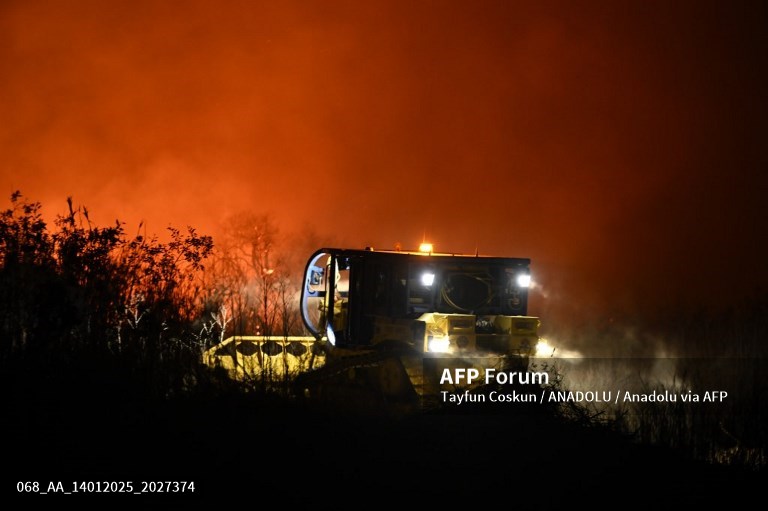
(101, 337)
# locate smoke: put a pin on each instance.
(627, 167)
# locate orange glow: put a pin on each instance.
(591, 140)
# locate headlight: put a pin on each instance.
(439, 345)
(524, 280)
(543, 349)
(427, 278)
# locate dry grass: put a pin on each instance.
(699, 352)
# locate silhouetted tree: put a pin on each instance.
(85, 291)
(28, 280)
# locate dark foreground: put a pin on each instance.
(267, 450)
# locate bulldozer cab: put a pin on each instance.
(325, 295)
(436, 303)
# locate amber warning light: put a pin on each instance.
(426, 248)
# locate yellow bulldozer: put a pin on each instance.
(390, 329)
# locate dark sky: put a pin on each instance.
(620, 145)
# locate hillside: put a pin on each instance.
(238, 446)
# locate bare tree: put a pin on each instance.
(252, 275)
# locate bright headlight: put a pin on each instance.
(427, 278)
(524, 280)
(439, 345)
(543, 349)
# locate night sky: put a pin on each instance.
(620, 145)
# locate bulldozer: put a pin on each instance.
(390, 330)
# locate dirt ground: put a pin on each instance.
(263, 450)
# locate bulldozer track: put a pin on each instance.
(336, 367)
